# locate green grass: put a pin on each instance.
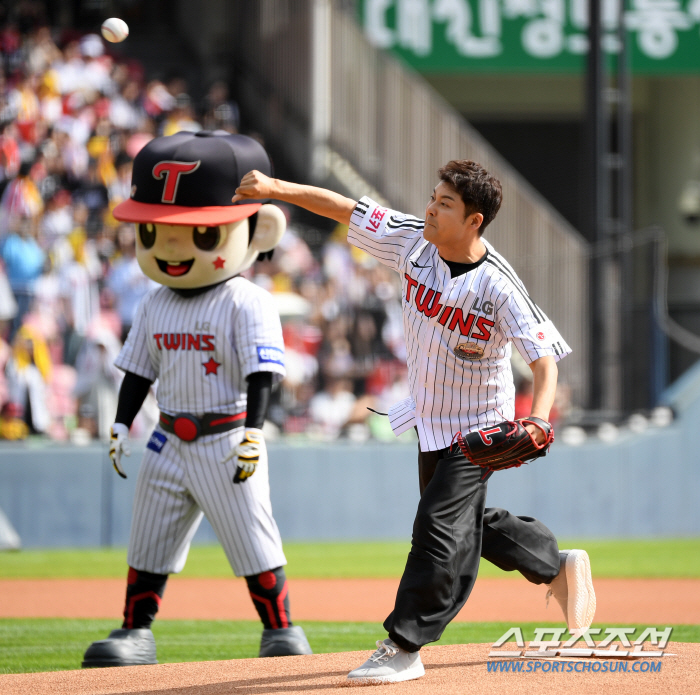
(629, 558)
(30, 645)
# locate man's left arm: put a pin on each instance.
(544, 374)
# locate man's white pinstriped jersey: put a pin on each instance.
(458, 330)
(201, 349)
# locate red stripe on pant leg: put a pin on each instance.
(268, 606)
(129, 608)
(280, 605)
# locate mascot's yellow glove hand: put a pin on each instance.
(247, 454)
(118, 445)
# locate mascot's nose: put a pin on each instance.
(173, 238)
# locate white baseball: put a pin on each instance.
(115, 29)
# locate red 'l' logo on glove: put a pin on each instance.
(484, 434)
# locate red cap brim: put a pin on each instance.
(131, 211)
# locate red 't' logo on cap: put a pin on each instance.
(172, 172)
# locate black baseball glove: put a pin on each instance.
(505, 445)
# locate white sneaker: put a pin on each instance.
(573, 589)
(389, 664)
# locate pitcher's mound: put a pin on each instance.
(457, 669)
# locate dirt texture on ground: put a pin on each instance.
(646, 601)
(458, 669)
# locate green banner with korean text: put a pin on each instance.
(532, 36)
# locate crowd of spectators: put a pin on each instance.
(72, 118)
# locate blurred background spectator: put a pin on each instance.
(72, 118)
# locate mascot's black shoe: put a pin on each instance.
(122, 648)
(286, 641)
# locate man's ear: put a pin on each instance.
(269, 229)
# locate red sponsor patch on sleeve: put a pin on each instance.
(540, 336)
(375, 219)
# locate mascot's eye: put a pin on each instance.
(206, 238)
(147, 234)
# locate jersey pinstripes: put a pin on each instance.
(202, 348)
(185, 481)
(458, 331)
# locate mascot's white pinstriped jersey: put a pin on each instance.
(458, 330)
(201, 349)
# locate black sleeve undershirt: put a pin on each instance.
(132, 394)
(259, 391)
(134, 390)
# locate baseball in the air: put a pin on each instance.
(115, 29)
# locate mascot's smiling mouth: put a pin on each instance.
(175, 268)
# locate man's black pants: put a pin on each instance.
(452, 530)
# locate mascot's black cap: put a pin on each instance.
(190, 178)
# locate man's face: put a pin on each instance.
(445, 222)
(188, 257)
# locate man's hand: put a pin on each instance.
(118, 445)
(247, 454)
(537, 434)
(254, 186)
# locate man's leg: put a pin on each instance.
(509, 542)
(444, 558)
(520, 543)
(525, 544)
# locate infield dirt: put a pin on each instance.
(458, 669)
(639, 601)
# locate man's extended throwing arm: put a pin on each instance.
(257, 186)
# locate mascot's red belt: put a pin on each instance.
(188, 427)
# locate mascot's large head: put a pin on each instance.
(188, 233)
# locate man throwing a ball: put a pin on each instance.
(464, 307)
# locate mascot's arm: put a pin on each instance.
(132, 394)
(248, 452)
(259, 391)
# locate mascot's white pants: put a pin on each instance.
(178, 483)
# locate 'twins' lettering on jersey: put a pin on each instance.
(184, 341)
(430, 306)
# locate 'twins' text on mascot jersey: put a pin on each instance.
(184, 341)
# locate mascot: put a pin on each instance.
(213, 340)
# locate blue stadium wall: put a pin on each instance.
(640, 486)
